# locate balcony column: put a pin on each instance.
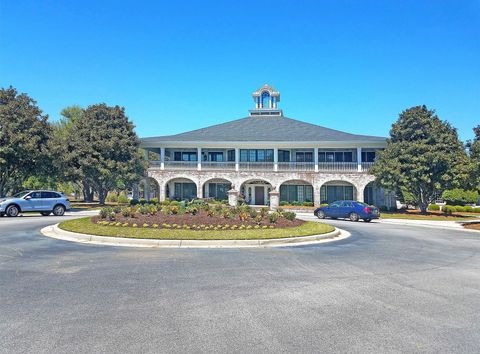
(162, 158)
(315, 158)
(275, 159)
(237, 159)
(199, 159)
(359, 159)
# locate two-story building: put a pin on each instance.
(264, 158)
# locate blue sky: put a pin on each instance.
(177, 66)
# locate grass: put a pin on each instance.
(416, 215)
(86, 226)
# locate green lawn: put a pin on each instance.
(85, 226)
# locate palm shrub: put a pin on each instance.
(243, 215)
(105, 212)
(264, 212)
(126, 211)
(289, 215)
(273, 217)
(166, 210)
(191, 209)
(143, 209)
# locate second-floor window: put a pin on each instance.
(215, 156)
(184, 156)
(335, 156)
(304, 156)
(368, 156)
(256, 155)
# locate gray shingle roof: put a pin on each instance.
(264, 128)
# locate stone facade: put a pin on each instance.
(276, 179)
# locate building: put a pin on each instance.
(265, 158)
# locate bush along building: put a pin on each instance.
(265, 159)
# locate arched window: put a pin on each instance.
(265, 99)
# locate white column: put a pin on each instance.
(237, 159)
(315, 158)
(199, 159)
(275, 159)
(162, 158)
(359, 159)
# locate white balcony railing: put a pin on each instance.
(180, 165)
(366, 166)
(256, 166)
(296, 166)
(216, 165)
(338, 166)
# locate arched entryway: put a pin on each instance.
(217, 188)
(296, 191)
(256, 192)
(181, 189)
(337, 190)
(148, 188)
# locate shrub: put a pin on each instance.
(243, 215)
(165, 202)
(116, 209)
(152, 209)
(122, 198)
(468, 209)
(253, 213)
(273, 217)
(289, 215)
(143, 210)
(476, 210)
(433, 207)
(175, 203)
(126, 211)
(459, 208)
(226, 213)
(142, 201)
(153, 201)
(258, 218)
(174, 209)
(106, 212)
(448, 209)
(283, 203)
(324, 204)
(111, 197)
(308, 204)
(384, 208)
(192, 210)
(459, 196)
(264, 212)
(134, 201)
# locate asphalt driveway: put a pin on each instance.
(388, 288)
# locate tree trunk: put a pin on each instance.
(87, 192)
(102, 195)
(423, 207)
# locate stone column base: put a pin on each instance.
(232, 197)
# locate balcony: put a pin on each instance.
(180, 165)
(216, 165)
(338, 166)
(366, 166)
(256, 166)
(296, 166)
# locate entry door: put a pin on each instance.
(259, 195)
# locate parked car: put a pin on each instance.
(348, 209)
(44, 202)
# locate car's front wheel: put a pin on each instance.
(12, 210)
(321, 214)
(354, 217)
(59, 210)
(45, 213)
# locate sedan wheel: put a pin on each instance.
(321, 214)
(12, 210)
(354, 217)
(59, 210)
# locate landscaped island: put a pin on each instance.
(197, 220)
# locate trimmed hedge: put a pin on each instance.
(433, 207)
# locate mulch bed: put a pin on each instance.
(472, 226)
(201, 218)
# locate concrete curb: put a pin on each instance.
(54, 231)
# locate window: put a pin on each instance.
(35, 195)
(265, 99)
(329, 156)
(184, 156)
(261, 155)
(304, 156)
(296, 193)
(283, 156)
(215, 156)
(231, 155)
(185, 191)
(243, 155)
(368, 156)
(50, 195)
(218, 190)
(329, 194)
(335, 156)
(256, 155)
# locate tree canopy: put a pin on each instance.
(24, 133)
(104, 149)
(423, 157)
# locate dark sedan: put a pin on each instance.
(348, 209)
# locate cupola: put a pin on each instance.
(266, 99)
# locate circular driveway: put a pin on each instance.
(387, 288)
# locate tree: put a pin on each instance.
(423, 157)
(459, 196)
(474, 151)
(24, 133)
(104, 149)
